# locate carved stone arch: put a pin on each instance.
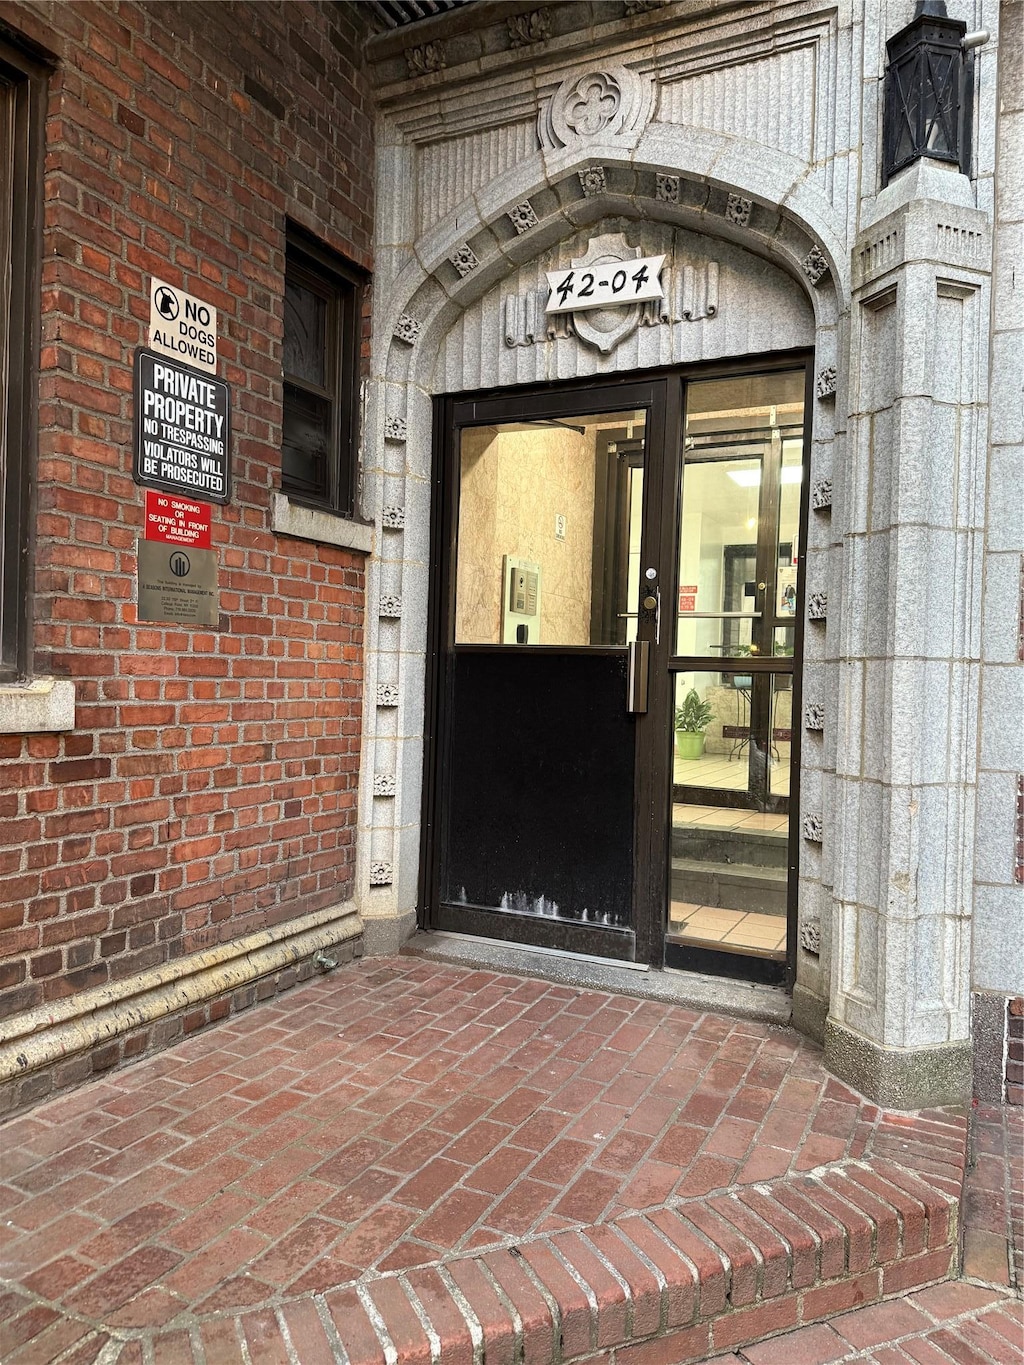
(502, 228)
(463, 257)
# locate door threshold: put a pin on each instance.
(445, 936)
(691, 990)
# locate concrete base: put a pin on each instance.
(742, 999)
(810, 1013)
(384, 936)
(60, 1044)
(988, 1033)
(899, 1078)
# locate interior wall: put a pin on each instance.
(513, 486)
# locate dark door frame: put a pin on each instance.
(662, 392)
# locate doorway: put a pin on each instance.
(611, 751)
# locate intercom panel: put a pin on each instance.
(520, 601)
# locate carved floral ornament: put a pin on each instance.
(420, 61)
(533, 27)
(810, 936)
(607, 103)
(522, 217)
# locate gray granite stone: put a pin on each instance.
(899, 1078)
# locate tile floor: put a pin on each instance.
(712, 927)
(717, 817)
(726, 774)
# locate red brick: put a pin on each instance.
(307, 1333)
(917, 1270)
(403, 1326)
(713, 1286)
(538, 1330)
(752, 1324)
(880, 1323)
(913, 1214)
(575, 1318)
(858, 1227)
(817, 1345)
(354, 1327)
(499, 1337)
(882, 1216)
(680, 1292)
(840, 1295)
(802, 1244)
(744, 1268)
(443, 1314)
(675, 1348)
(645, 1313)
(772, 1250)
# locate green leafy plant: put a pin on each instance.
(694, 716)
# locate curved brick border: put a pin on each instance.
(666, 1286)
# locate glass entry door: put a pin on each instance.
(615, 611)
(733, 671)
(537, 752)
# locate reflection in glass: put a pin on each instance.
(737, 610)
(782, 734)
(305, 442)
(712, 746)
(549, 526)
(305, 333)
(717, 554)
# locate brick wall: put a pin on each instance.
(209, 786)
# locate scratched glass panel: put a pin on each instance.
(305, 334)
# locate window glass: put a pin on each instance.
(305, 333)
(549, 531)
(321, 354)
(22, 111)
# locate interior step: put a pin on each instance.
(729, 846)
(731, 886)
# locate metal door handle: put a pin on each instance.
(637, 676)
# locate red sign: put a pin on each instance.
(174, 520)
(688, 597)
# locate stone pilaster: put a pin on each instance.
(899, 1015)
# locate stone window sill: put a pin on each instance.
(289, 518)
(42, 706)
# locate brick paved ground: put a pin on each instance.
(406, 1157)
(994, 1198)
(946, 1323)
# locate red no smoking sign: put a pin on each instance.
(173, 520)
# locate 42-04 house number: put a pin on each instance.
(610, 282)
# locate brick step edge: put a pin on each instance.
(662, 1287)
(665, 1286)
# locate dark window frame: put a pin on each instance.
(341, 286)
(23, 83)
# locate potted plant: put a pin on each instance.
(692, 719)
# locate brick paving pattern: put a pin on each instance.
(994, 1198)
(411, 1161)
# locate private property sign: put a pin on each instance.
(182, 429)
(182, 326)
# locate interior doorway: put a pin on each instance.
(612, 756)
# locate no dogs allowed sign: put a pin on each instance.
(182, 429)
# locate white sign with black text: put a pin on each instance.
(182, 326)
(599, 286)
